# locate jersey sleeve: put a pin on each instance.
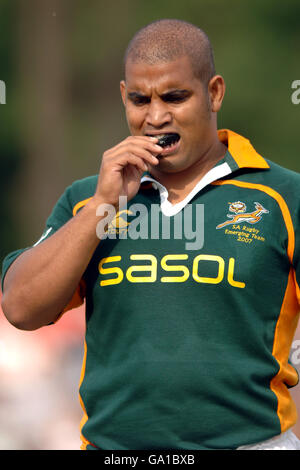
(60, 215)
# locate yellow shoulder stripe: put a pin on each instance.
(80, 204)
(281, 202)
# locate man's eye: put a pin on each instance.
(140, 101)
(175, 98)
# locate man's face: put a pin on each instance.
(168, 98)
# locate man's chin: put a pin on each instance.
(170, 164)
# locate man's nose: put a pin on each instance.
(158, 114)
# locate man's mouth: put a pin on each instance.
(168, 141)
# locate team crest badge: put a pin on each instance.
(119, 223)
(239, 214)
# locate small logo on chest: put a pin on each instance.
(239, 220)
(240, 215)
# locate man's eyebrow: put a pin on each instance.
(176, 92)
(169, 95)
(134, 94)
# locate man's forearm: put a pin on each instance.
(42, 280)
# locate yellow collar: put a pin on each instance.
(241, 150)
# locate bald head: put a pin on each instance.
(167, 40)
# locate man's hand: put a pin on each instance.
(42, 280)
(122, 167)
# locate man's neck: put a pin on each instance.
(180, 184)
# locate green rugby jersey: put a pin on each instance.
(187, 340)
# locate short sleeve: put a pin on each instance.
(60, 215)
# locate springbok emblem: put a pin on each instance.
(240, 216)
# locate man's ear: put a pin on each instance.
(216, 90)
(123, 91)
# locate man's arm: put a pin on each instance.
(42, 280)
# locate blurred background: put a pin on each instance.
(61, 62)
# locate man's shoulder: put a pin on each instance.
(84, 186)
(277, 181)
(78, 191)
(283, 180)
(282, 173)
(81, 189)
(277, 177)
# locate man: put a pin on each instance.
(187, 343)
